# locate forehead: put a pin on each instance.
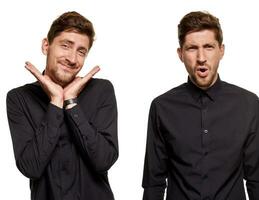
(72, 37)
(200, 37)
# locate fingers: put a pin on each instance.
(94, 71)
(90, 74)
(75, 87)
(35, 72)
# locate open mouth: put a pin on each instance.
(202, 69)
(202, 72)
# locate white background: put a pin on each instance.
(135, 47)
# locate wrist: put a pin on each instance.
(57, 102)
(70, 106)
(70, 103)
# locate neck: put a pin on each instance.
(207, 86)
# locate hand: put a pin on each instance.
(53, 90)
(75, 87)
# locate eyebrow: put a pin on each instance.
(195, 45)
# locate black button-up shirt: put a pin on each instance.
(201, 144)
(65, 153)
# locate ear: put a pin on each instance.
(45, 46)
(222, 51)
(179, 52)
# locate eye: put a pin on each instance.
(65, 46)
(191, 48)
(209, 47)
(82, 53)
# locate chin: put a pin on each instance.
(64, 81)
(204, 84)
(65, 77)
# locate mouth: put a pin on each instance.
(67, 67)
(202, 71)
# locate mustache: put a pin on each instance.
(202, 65)
(68, 63)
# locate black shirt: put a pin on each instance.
(65, 153)
(203, 143)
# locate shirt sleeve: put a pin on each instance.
(251, 160)
(155, 166)
(33, 145)
(97, 139)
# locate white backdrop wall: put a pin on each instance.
(136, 42)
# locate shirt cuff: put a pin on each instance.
(153, 193)
(54, 115)
(78, 117)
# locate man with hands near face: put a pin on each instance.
(64, 127)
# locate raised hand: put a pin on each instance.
(73, 89)
(53, 90)
(56, 93)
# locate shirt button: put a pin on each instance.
(205, 131)
(205, 177)
(204, 111)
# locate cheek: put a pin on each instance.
(214, 56)
(189, 61)
(50, 59)
(81, 61)
(58, 52)
(215, 60)
(79, 69)
(80, 64)
(52, 56)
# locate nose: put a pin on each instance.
(201, 58)
(72, 57)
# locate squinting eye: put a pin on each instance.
(82, 53)
(209, 47)
(191, 48)
(65, 46)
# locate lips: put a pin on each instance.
(202, 71)
(66, 67)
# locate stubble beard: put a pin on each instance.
(204, 83)
(61, 77)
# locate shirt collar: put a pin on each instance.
(211, 92)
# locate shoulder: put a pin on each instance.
(240, 96)
(239, 92)
(172, 94)
(97, 89)
(99, 84)
(25, 90)
(25, 95)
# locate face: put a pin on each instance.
(201, 54)
(65, 56)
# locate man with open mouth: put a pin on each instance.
(203, 136)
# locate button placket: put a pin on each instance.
(205, 137)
